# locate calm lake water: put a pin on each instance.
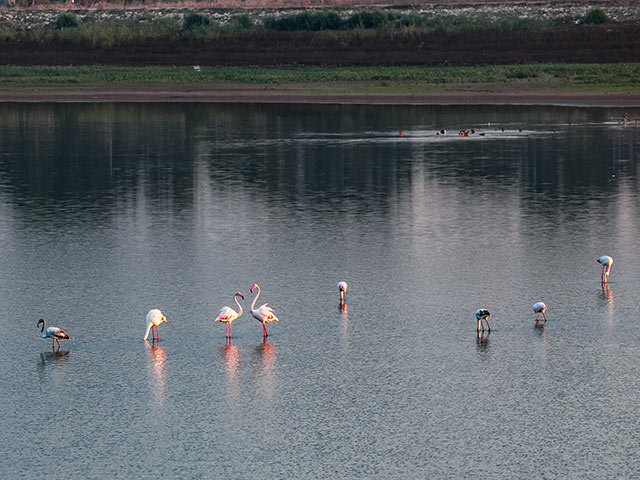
(108, 210)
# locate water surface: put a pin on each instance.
(108, 210)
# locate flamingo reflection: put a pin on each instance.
(231, 357)
(607, 296)
(264, 361)
(54, 356)
(157, 357)
(483, 340)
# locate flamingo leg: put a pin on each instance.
(545, 317)
(264, 329)
(229, 331)
(479, 323)
(488, 326)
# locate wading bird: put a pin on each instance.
(228, 314)
(540, 308)
(154, 319)
(342, 288)
(51, 332)
(606, 262)
(483, 314)
(264, 313)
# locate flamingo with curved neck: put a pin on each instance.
(342, 288)
(228, 314)
(154, 318)
(51, 332)
(264, 313)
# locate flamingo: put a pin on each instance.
(228, 314)
(540, 308)
(483, 314)
(606, 262)
(342, 288)
(154, 318)
(51, 332)
(264, 313)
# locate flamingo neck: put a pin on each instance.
(253, 304)
(235, 299)
(42, 327)
(149, 325)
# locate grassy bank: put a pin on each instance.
(620, 78)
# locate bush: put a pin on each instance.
(596, 16)
(305, 21)
(244, 21)
(366, 19)
(66, 20)
(195, 20)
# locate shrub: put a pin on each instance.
(317, 21)
(244, 21)
(194, 21)
(596, 16)
(366, 19)
(66, 20)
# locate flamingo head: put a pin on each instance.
(41, 321)
(163, 319)
(238, 294)
(254, 286)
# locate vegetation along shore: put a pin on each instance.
(577, 48)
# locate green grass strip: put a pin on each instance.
(583, 77)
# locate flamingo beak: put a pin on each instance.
(241, 296)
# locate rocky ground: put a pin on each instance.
(567, 12)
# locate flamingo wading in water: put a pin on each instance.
(342, 288)
(606, 261)
(483, 314)
(540, 308)
(228, 314)
(51, 332)
(264, 313)
(154, 319)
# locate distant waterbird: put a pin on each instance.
(264, 313)
(54, 333)
(228, 314)
(483, 314)
(606, 262)
(154, 318)
(342, 289)
(540, 308)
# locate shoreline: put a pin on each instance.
(300, 93)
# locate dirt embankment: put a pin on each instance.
(585, 44)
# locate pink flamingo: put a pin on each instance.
(264, 313)
(483, 314)
(51, 332)
(540, 308)
(342, 288)
(154, 319)
(228, 314)
(606, 261)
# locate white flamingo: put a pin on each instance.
(540, 308)
(228, 314)
(606, 261)
(51, 332)
(154, 319)
(483, 314)
(264, 313)
(342, 288)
